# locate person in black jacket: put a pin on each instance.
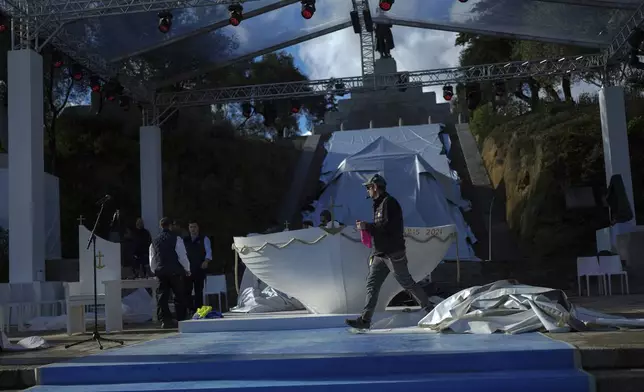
(387, 231)
(169, 263)
(199, 254)
(141, 239)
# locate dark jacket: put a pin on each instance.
(141, 242)
(387, 229)
(165, 255)
(196, 253)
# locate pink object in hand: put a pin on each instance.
(365, 237)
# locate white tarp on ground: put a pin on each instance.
(410, 179)
(256, 297)
(425, 140)
(510, 307)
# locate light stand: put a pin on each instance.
(96, 336)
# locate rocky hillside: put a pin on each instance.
(535, 157)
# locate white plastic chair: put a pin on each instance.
(589, 266)
(215, 284)
(612, 265)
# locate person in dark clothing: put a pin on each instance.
(389, 254)
(169, 263)
(141, 241)
(199, 254)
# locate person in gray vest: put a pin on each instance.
(169, 263)
(200, 254)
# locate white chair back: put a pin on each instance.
(588, 266)
(215, 284)
(610, 265)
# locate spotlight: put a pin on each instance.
(448, 92)
(386, 5)
(113, 89)
(95, 83)
(499, 89)
(295, 106)
(462, 1)
(57, 60)
(124, 102)
(247, 109)
(236, 14)
(308, 8)
(165, 21)
(76, 72)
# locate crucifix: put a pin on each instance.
(100, 264)
(80, 220)
(286, 223)
(331, 211)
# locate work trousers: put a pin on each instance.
(379, 269)
(171, 284)
(196, 282)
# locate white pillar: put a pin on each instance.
(616, 156)
(26, 166)
(400, 121)
(151, 181)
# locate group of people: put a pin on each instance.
(179, 260)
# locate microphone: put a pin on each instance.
(104, 199)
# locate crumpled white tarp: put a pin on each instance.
(509, 307)
(254, 300)
(26, 344)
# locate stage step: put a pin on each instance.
(320, 359)
(524, 381)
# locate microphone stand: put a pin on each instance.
(96, 336)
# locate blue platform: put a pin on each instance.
(325, 360)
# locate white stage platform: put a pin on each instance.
(277, 321)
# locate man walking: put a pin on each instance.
(387, 231)
(200, 254)
(169, 263)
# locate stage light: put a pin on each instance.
(462, 1)
(95, 83)
(247, 109)
(124, 102)
(236, 14)
(56, 60)
(295, 106)
(499, 89)
(386, 5)
(308, 8)
(113, 89)
(448, 92)
(165, 21)
(76, 72)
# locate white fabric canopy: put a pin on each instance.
(410, 179)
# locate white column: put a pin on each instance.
(26, 166)
(616, 156)
(151, 181)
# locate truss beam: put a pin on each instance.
(619, 47)
(438, 77)
(69, 10)
(367, 47)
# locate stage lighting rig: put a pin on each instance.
(295, 106)
(76, 72)
(236, 14)
(386, 5)
(95, 83)
(308, 9)
(165, 21)
(448, 92)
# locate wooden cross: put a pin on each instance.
(286, 223)
(331, 211)
(100, 264)
(80, 220)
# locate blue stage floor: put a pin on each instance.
(324, 360)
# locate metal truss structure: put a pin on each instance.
(342, 86)
(619, 47)
(367, 45)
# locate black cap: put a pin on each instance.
(376, 179)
